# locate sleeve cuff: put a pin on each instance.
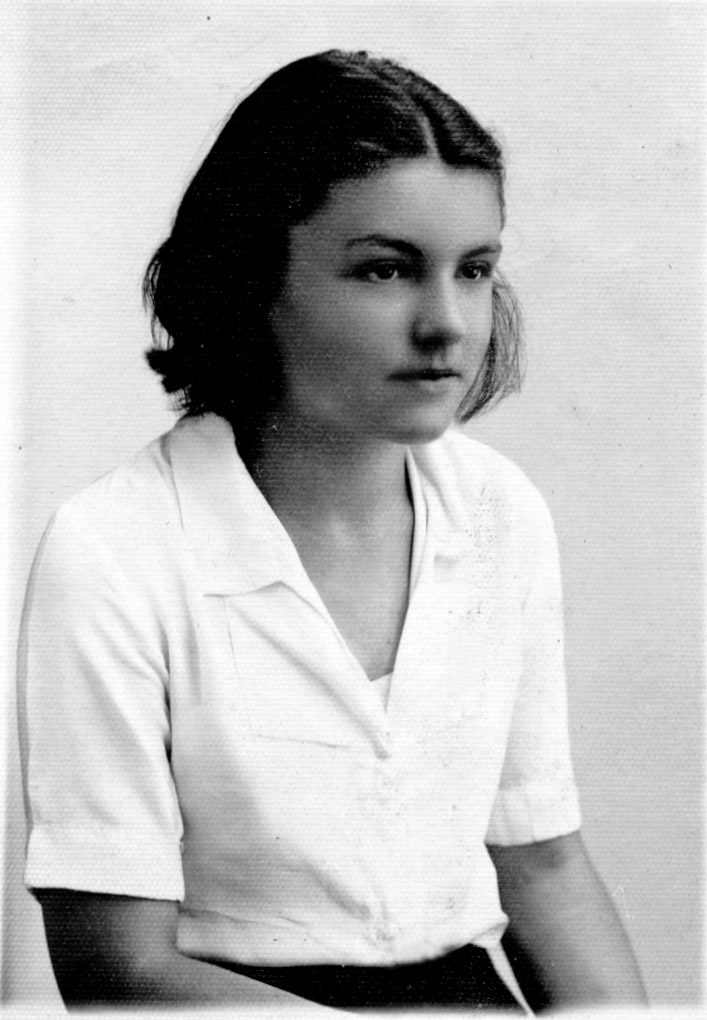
(530, 813)
(63, 859)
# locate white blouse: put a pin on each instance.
(382, 687)
(195, 728)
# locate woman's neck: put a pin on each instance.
(320, 481)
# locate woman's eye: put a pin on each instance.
(381, 272)
(475, 271)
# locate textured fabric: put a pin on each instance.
(195, 728)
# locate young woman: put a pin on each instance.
(293, 696)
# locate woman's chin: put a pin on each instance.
(420, 432)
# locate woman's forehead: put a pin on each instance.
(422, 201)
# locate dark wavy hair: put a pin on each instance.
(316, 122)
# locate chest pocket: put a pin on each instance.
(291, 670)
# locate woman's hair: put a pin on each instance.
(316, 122)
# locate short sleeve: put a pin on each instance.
(94, 722)
(537, 797)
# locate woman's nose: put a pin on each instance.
(439, 321)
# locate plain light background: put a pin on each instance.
(601, 112)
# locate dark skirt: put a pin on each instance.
(465, 977)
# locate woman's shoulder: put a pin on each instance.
(469, 475)
(459, 459)
(131, 506)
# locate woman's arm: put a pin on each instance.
(111, 950)
(565, 940)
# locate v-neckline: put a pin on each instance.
(308, 590)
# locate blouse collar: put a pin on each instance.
(238, 540)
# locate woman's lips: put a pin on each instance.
(433, 381)
(425, 373)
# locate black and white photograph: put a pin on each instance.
(353, 629)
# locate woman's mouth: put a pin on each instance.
(435, 381)
(425, 373)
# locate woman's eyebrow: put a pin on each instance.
(383, 241)
(407, 248)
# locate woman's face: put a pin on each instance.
(385, 313)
